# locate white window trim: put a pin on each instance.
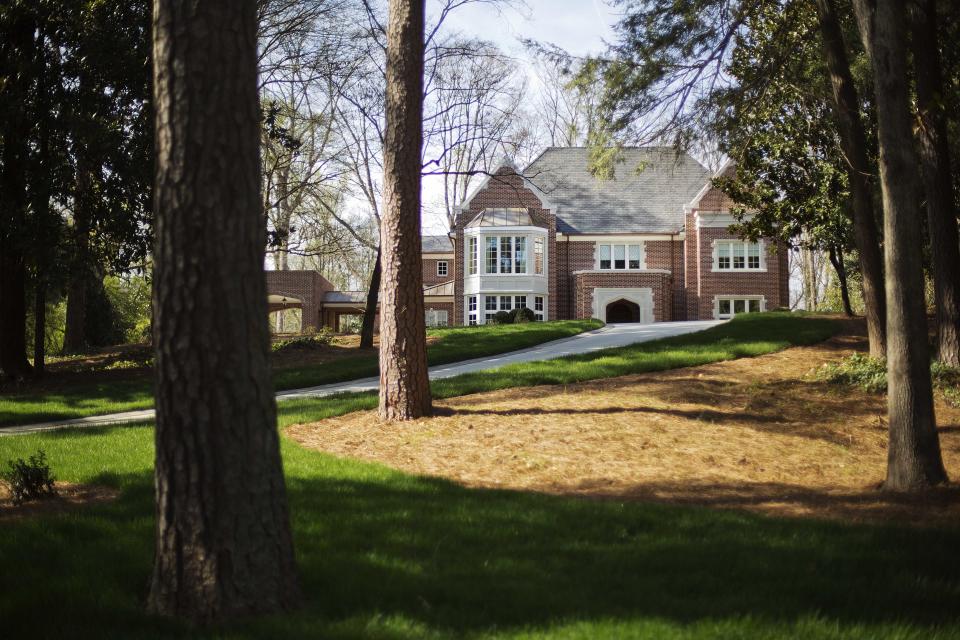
(731, 297)
(529, 267)
(446, 267)
(482, 310)
(435, 315)
(626, 244)
(715, 256)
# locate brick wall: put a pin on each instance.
(668, 254)
(506, 189)
(307, 286)
(430, 276)
(661, 285)
(571, 256)
(773, 283)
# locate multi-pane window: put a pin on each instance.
(604, 256)
(506, 254)
(619, 256)
(520, 254)
(510, 254)
(441, 267)
(506, 303)
(437, 318)
(472, 310)
(633, 251)
(538, 307)
(737, 255)
(519, 302)
(473, 256)
(753, 255)
(727, 307)
(492, 243)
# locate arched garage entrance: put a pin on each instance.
(623, 311)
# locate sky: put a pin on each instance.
(580, 27)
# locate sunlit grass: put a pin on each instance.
(453, 344)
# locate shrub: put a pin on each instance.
(503, 317)
(859, 370)
(306, 342)
(29, 479)
(870, 374)
(524, 314)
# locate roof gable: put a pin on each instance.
(646, 194)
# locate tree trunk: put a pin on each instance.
(404, 383)
(913, 460)
(78, 283)
(836, 259)
(854, 143)
(223, 541)
(937, 181)
(370, 313)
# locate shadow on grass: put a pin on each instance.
(386, 555)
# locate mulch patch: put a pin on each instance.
(69, 497)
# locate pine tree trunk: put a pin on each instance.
(13, 207)
(223, 543)
(404, 382)
(78, 283)
(937, 181)
(854, 144)
(836, 259)
(370, 312)
(913, 460)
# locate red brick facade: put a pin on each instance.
(430, 276)
(660, 284)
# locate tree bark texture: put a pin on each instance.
(836, 259)
(370, 312)
(854, 143)
(937, 180)
(223, 541)
(404, 385)
(913, 460)
(16, 57)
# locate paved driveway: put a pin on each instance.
(612, 335)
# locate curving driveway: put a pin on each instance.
(612, 335)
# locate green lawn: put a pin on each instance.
(387, 555)
(453, 344)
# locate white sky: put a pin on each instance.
(580, 27)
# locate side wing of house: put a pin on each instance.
(724, 274)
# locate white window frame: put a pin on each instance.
(615, 248)
(509, 243)
(445, 267)
(539, 255)
(433, 317)
(471, 310)
(733, 246)
(472, 264)
(540, 307)
(733, 299)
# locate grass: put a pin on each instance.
(453, 344)
(387, 555)
(745, 336)
(391, 556)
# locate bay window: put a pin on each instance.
(491, 255)
(520, 254)
(506, 254)
(472, 259)
(538, 256)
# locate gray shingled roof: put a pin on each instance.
(436, 244)
(345, 296)
(648, 200)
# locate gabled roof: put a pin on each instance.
(436, 244)
(646, 194)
